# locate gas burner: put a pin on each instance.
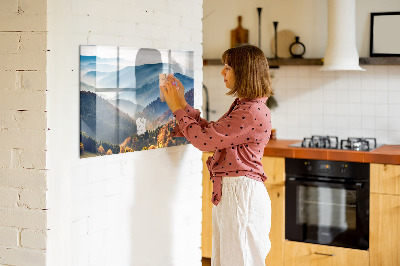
(332, 142)
(358, 144)
(327, 142)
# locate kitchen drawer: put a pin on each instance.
(305, 254)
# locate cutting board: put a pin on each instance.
(239, 35)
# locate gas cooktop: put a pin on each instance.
(332, 142)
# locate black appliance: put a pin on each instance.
(327, 202)
(332, 142)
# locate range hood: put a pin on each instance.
(341, 51)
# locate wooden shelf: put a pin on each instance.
(380, 61)
(274, 63)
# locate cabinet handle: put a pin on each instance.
(324, 254)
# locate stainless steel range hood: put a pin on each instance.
(341, 51)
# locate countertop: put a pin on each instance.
(389, 154)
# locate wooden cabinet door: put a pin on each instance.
(384, 237)
(274, 168)
(304, 254)
(277, 233)
(206, 225)
(385, 178)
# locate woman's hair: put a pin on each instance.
(250, 66)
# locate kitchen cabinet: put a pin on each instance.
(277, 233)
(385, 230)
(385, 178)
(206, 225)
(305, 254)
(274, 168)
(384, 221)
(385, 215)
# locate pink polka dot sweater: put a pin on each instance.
(238, 139)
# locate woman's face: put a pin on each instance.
(229, 76)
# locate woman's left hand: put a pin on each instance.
(171, 94)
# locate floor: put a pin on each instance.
(206, 261)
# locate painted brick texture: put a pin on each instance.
(140, 208)
(23, 126)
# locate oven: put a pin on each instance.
(327, 202)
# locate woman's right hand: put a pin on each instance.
(181, 91)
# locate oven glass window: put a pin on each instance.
(326, 207)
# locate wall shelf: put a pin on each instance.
(274, 63)
(380, 61)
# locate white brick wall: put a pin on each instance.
(141, 208)
(23, 132)
(102, 192)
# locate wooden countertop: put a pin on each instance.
(389, 154)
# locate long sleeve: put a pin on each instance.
(193, 113)
(238, 140)
(231, 130)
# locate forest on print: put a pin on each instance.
(120, 106)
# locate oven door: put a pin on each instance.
(327, 213)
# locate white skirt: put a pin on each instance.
(241, 223)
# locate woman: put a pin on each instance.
(242, 208)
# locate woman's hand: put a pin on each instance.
(181, 90)
(173, 91)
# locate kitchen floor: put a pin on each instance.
(206, 261)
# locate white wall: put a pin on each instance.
(141, 208)
(311, 102)
(306, 19)
(23, 133)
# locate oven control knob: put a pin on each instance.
(343, 168)
(308, 166)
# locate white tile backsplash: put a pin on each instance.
(394, 137)
(393, 71)
(381, 97)
(381, 110)
(394, 97)
(381, 84)
(342, 122)
(380, 71)
(343, 103)
(367, 109)
(367, 96)
(394, 110)
(355, 109)
(367, 123)
(394, 82)
(394, 123)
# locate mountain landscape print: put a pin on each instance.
(120, 106)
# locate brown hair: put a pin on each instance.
(250, 66)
